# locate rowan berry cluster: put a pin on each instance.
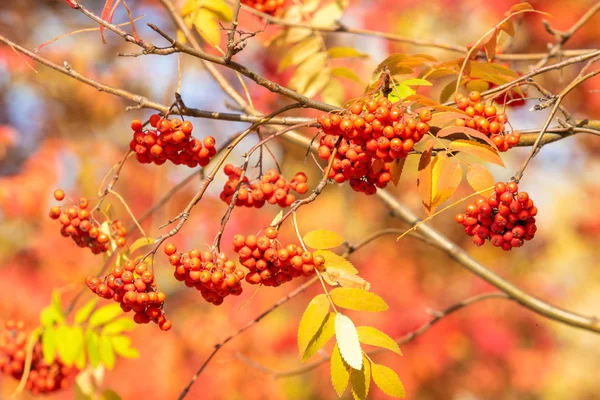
(170, 140)
(270, 263)
(386, 130)
(134, 287)
(78, 223)
(486, 120)
(43, 378)
(351, 163)
(506, 218)
(271, 7)
(270, 188)
(216, 277)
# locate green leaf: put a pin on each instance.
(374, 337)
(50, 315)
(312, 319)
(110, 395)
(69, 341)
(387, 380)
(416, 82)
(403, 91)
(84, 312)
(342, 52)
(332, 260)
(107, 354)
(122, 346)
(124, 324)
(141, 242)
(56, 301)
(105, 314)
(80, 358)
(339, 372)
(344, 72)
(322, 239)
(357, 299)
(93, 347)
(324, 333)
(49, 344)
(300, 53)
(361, 380)
(347, 339)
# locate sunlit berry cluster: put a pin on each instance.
(272, 264)
(78, 224)
(171, 139)
(386, 130)
(134, 287)
(43, 378)
(272, 7)
(506, 218)
(216, 277)
(486, 120)
(352, 164)
(270, 188)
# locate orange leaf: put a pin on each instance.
(490, 45)
(442, 118)
(438, 181)
(469, 132)
(396, 170)
(520, 7)
(107, 15)
(480, 150)
(508, 27)
(479, 177)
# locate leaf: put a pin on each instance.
(277, 218)
(480, 150)
(221, 10)
(300, 53)
(92, 341)
(84, 312)
(347, 339)
(403, 91)
(107, 354)
(339, 277)
(207, 26)
(479, 178)
(396, 168)
(443, 118)
(490, 45)
(438, 180)
(307, 71)
(387, 380)
(317, 82)
(320, 339)
(110, 395)
(327, 15)
(312, 320)
(105, 314)
(141, 242)
(339, 371)
(56, 301)
(448, 90)
(416, 82)
(508, 27)
(122, 346)
(342, 52)
(334, 261)
(344, 72)
(477, 85)
(333, 92)
(119, 325)
(69, 342)
(374, 337)
(469, 132)
(520, 7)
(50, 316)
(322, 239)
(106, 16)
(361, 380)
(358, 299)
(49, 344)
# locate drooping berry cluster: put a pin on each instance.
(351, 163)
(134, 287)
(506, 218)
(270, 188)
(270, 263)
(386, 130)
(216, 277)
(78, 223)
(43, 378)
(170, 140)
(272, 7)
(486, 120)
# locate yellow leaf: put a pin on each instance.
(107, 354)
(344, 72)
(49, 344)
(347, 340)
(374, 337)
(322, 239)
(361, 381)
(339, 371)
(520, 7)
(396, 170)
(477, 85)
(317, 82)
(207, 26)
(300, 53)
(307, 71)
(84, 312)
(342, 52)
(333, 261)
(69, 341)
(479, 178)
(311, 321)
(333, 92)
(141, 242)
(336, 277)
(219, 8)
(358, 299)
(438, 180)
(457, 132)
(480, 150)
(105, 314)
(92, 340)
(321, 337)
(310, 6)
(448, 90)
(277, 218)
(327, 15)
(122, 346)
(387, 380)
